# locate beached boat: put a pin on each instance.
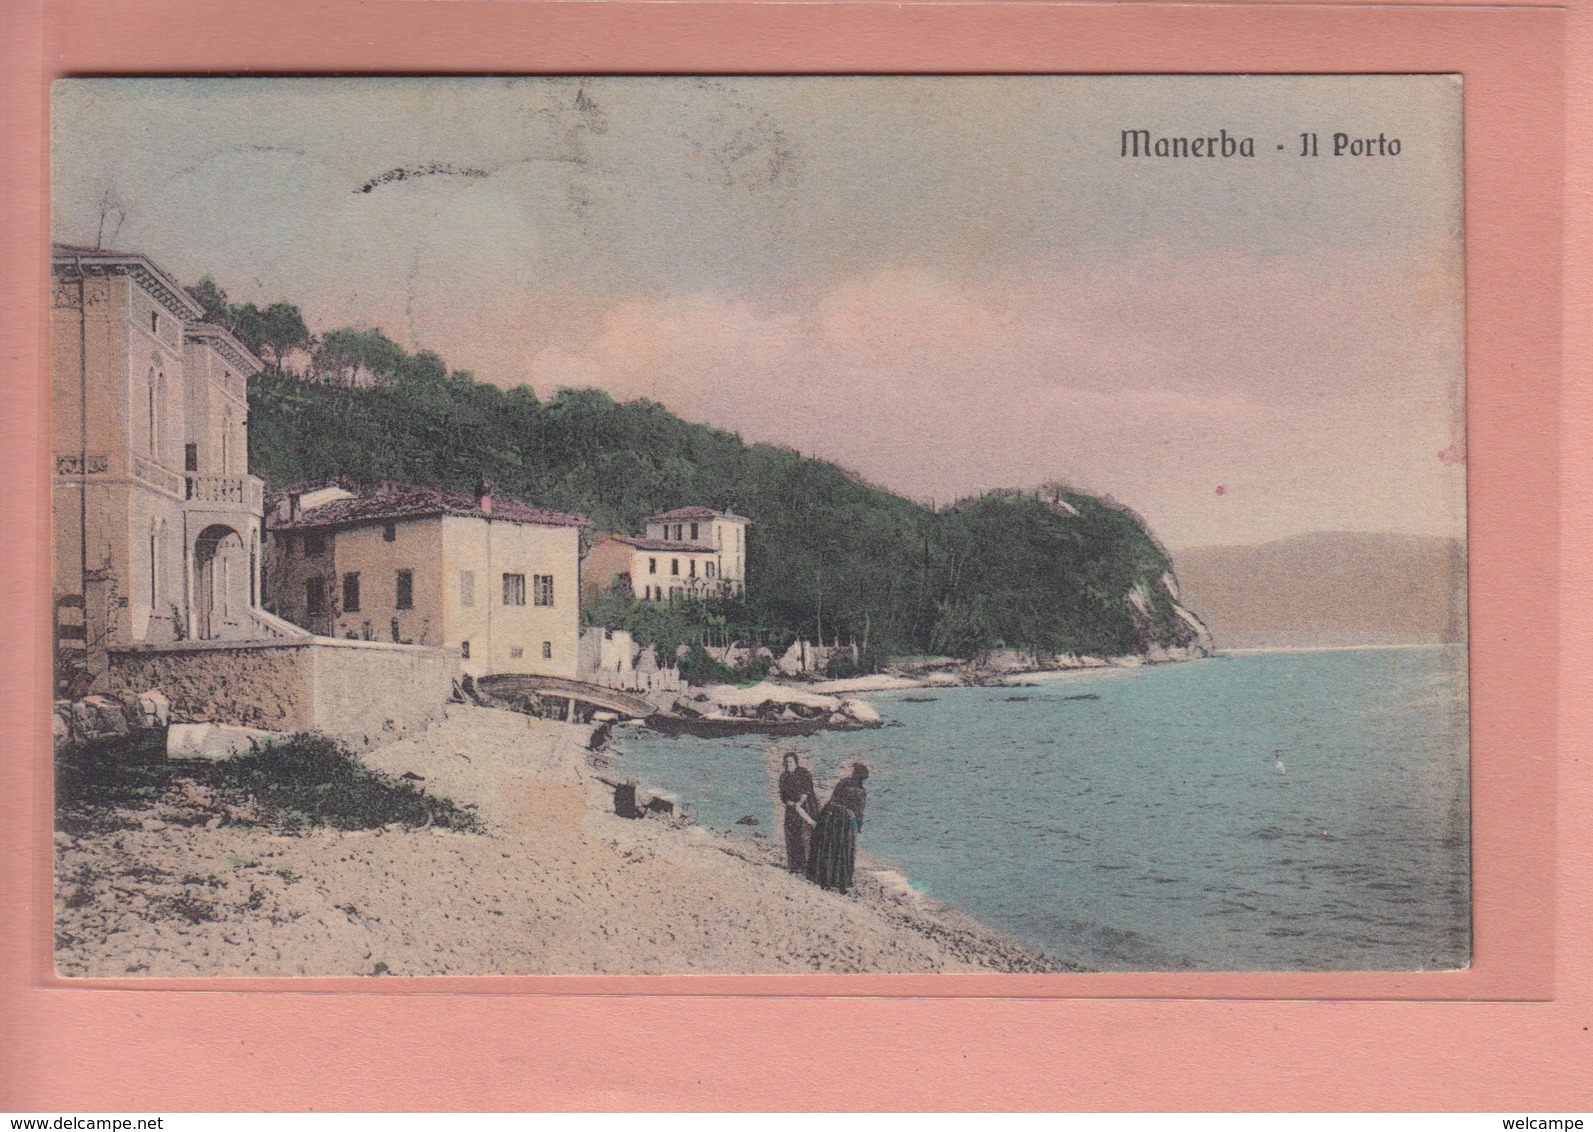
(721, 728)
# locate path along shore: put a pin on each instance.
(555, 884)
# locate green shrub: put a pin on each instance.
(754, 671)
(303, 780)
(310, 779)
(113, 772)
(842, 665)
(698, 668)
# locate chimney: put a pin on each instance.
(293, 506)
(484, 497)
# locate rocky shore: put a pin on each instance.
(552, 883)
(798, 704)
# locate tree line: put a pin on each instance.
(830, 557)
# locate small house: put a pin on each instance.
(691, 552)
(495, 579)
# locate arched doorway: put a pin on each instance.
(221, 583)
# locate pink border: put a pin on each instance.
(981, 1041)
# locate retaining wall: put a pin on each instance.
(358, 691)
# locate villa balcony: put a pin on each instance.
(226, 493)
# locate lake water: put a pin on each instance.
(1268, 811)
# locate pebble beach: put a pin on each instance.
(553, 883)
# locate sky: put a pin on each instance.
(945, 284)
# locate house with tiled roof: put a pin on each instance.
(690, 552)
(495, 579)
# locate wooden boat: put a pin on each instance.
(725, 728)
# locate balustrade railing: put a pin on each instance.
(157, 476)
(238, 491)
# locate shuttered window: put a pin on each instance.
(514, 589)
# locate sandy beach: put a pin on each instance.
(555, 883)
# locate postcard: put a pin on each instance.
(759, 525)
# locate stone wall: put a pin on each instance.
(359, 691)
(251, 684)
(368, 691)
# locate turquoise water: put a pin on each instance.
(1284, 811)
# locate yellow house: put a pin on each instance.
(495, 579)
(689, 552)
(725, 532)
(156, 519)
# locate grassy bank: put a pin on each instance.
(303, 781)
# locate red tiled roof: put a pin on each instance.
(665, 545)
(694, 513)
(388, 501)
(306, 486)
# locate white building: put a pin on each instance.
(691, 552)
(156, 517)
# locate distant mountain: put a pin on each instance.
(1327, 589)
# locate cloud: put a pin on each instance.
(1309, 389)
(948, 284)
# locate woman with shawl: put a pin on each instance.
(800, 798)
(833, 853)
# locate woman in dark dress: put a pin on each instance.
(833, 854)
(801, 802)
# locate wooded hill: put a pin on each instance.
(829, 555)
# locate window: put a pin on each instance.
(516, 653)
(542, 589)
(351, 593)
(314, 546)
(514, 589)
(547, 650)
(464, 650)
(691, 567)
(406, 590)
(389, 532)
(678, 535)
(154, 570)
(154, 322)
(393, 628)
(708, 568)
(315, 596)
(190, 457)
(674, 566)
(157, 418)
(694, 532)
(652, 565)
(467, 588)
(151, 421)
